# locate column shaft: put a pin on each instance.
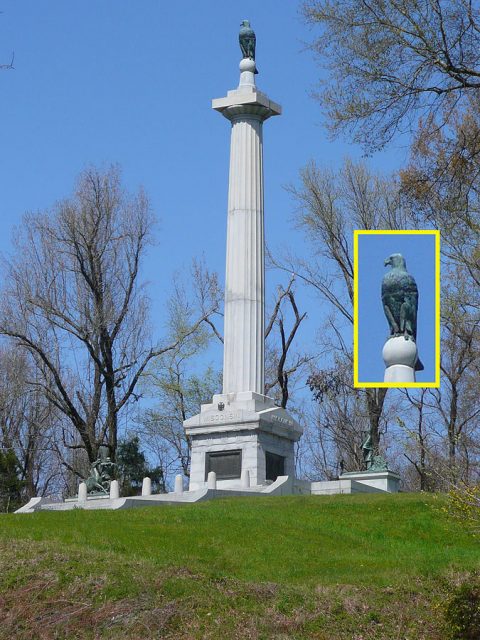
(244, 326)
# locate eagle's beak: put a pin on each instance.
(387, 262)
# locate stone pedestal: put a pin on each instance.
(382, 480)
(244, 431)
(400, 357)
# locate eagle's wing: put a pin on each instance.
(247, 41)
(408, 284)
(399, 284)
(391, 302)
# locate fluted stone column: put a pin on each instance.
(242, 434)
(244, 324)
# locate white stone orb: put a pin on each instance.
(247, 65)
(397, 350)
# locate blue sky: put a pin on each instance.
(373, 329)
(129, 82)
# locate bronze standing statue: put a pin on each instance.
(367, 451)
(372, 462)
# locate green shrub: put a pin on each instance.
(464, 505)
(10, 483)
(133, 467)
(462, 611)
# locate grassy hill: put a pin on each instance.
(347, 567)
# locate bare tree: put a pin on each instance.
(392, 61)
(72, 299)
(398, 65)
(443, 435)
(338, 422)
(178, 393)
(457, 400)
(179, 380)
(441, 184)
(281, 363)
(420, 447)
(330, 206)
(27, 424)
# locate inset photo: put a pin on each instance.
(396, 335)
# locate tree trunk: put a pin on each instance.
(375, 401)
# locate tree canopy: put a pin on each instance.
(392, 62)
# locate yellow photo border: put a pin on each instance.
(395, 385)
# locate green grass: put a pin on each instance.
(295, 567)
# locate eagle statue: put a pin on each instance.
(400, 300)
(247, 41)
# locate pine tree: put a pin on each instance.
(10, 481)
(133, 467)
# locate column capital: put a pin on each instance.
(248, 101)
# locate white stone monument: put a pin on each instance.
(242, 443)
(242, 429)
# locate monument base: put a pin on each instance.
(388, 481)
(239, 433)
(283, 486)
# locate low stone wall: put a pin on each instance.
(333, 487)
(283, 486)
